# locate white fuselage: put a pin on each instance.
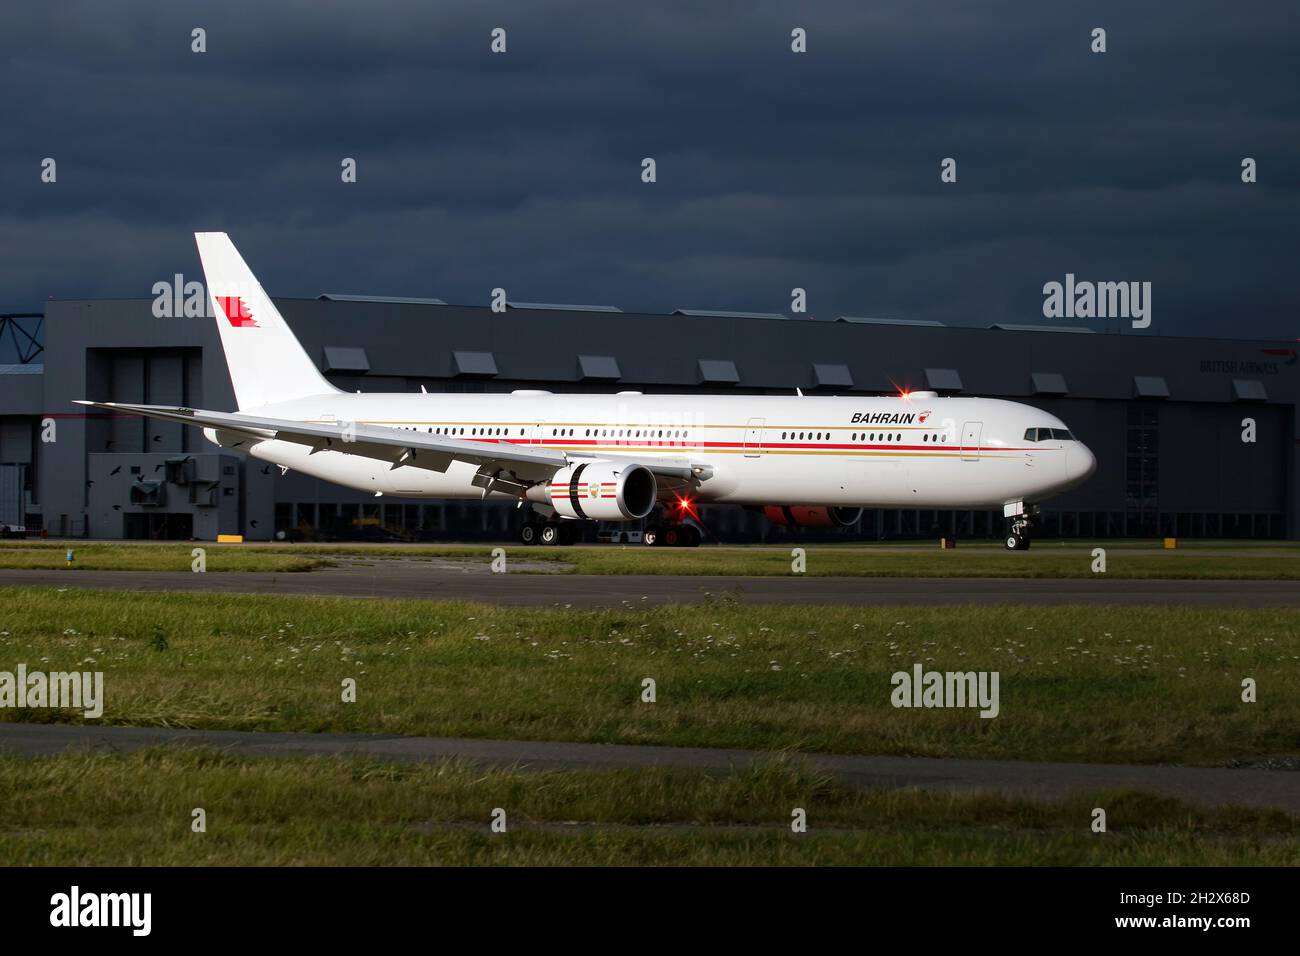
(924, 452)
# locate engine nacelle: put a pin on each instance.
(600, 490)
(792, 516)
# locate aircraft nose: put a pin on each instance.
(1080, 463)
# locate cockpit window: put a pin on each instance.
(1048, 434)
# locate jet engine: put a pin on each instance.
(599, 490)
(791, 516)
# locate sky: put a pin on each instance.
(774, 169)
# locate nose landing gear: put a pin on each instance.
(1018, 529)
(1018, 538)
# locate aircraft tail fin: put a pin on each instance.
(266, 362)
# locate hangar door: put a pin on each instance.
(11, 494)
(970, 441)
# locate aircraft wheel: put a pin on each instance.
(550, 534)
(650, 537)
(1016, 542)
(528, 533)
(672, 537)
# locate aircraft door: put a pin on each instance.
(970, 441)
(754, 437)
(349, 427)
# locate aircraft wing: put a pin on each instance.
(397, 446)
(665, 467)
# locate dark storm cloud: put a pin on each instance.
(775, 170)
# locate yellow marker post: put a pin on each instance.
(230, 539)
(1171, 544)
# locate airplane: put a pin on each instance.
(804, 461)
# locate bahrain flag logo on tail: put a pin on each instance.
(236, 311)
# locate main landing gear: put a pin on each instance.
(659, 534)
(549, 533)
(672, 536)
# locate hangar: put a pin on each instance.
(1168, 417)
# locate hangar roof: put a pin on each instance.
(400, 299)
(375, 343)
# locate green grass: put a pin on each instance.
(1047, 559)
(136, 810)
(1044, 560)
(1077, 683)
(101, 556)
